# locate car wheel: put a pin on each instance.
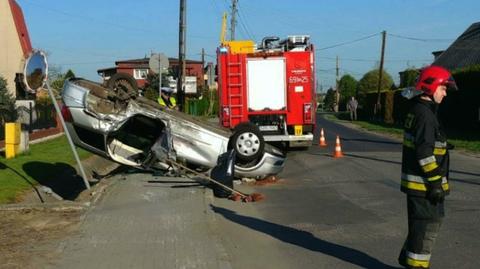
(123, 85)
(247, 141)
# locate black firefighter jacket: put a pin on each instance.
(425, 158)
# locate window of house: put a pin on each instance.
(140, 73)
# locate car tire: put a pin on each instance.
(124, 85)
(247, 141)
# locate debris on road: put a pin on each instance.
(254, 197)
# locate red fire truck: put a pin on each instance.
(270, 86)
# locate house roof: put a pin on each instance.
(107, 69)
(142, 63)
(139, 61)
(465, 51)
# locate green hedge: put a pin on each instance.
(202, 107)
(460, 110)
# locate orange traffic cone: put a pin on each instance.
(338, 149)
(322, 142)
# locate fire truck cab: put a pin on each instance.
(270, 86)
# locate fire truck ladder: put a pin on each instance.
(235, 88)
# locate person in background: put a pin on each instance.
(166, 98)
(352, 107)
(425, 164)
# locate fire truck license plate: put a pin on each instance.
(268, 128)
(298, 129)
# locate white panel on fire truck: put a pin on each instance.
(266, 84)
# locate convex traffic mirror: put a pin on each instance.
(36, 71)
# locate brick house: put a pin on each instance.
(139, 69)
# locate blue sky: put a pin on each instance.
(87, 35)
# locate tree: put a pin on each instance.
(8, 113)
(151, 85)
(69, 74)
(369, 84)
(329, 99)
(408, 77)
(58, 79)
(347, 86)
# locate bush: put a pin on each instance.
(461, 108)
(8, 112)
(151, 94)
(369, 84)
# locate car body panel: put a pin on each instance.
(96, 116)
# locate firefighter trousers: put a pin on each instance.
(424, 221)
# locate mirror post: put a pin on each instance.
(69, 138)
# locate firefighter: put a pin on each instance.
(166, 98)
(425, 164)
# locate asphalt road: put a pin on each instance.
(347, 212)
(322, 213)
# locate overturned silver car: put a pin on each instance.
(126, 128)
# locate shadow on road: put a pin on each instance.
(303, 239)
(62, 178)
(182, 183)
(473, 182)
(371, 141)
(370, 158)
(464, 173)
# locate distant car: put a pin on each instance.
(118, 124)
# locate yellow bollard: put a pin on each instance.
(12, 139)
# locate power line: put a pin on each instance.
(243, 22)
(374, 60)
(85, 18)
(88, 18)
(348, 42)
(422, 39)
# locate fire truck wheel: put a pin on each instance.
(124, 85)
(247, 141)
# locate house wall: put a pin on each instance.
(128, 69)
(192, 69)
(14, 42)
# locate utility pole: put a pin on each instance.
(377, 107)
(233, 20)
(337, 90)
(203, 66)
(182, 36)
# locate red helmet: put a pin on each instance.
(433, 76)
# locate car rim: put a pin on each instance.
(248, 144)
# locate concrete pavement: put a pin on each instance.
(147, 222)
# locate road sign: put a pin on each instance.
(157, 62)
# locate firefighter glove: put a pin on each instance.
(435, 193)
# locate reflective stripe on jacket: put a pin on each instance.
(425, 155)
(172, 102)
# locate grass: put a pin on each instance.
(462, 140)
(44, 160)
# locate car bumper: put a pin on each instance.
(269, 165)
